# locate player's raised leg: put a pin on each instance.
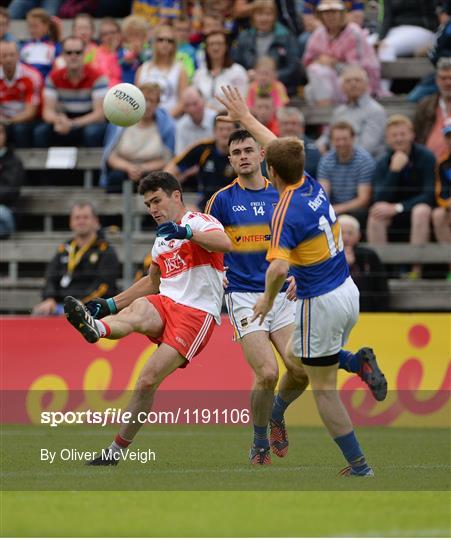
(161, 364)
(140, 316)
(260, 356)
(291, 386)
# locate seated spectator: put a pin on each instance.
(265, 112)
(140, 149)
(219, 70)
(135, 48)
(330, 48)
(165, 70)
(345, 173)
(209, 25)
(441, 216)
(354, 13)
(403, 186)
(407, 30)
(186, 53)
(197, 122)
(287, 11)
(41, 50)
(365, 267)
(106, 58)
(5, 20)
(366, 115)
(292, 124)
(20, 95)
(433, 111)
(83, 27)
(85, 267)
(208, 160)
(265, 82)
(11, 179)
(73, 102)
(18, 9)
(267, 37)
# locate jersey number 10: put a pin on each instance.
(324, 226)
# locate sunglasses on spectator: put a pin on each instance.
(168, 40)
(78, 52)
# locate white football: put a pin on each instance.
(124, 104)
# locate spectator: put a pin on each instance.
(441, 216)
(265, 112)
(85, 267)
(407, 29)
(330, 48)
(186, 53)
(73, 102)
(208, 160)
(265, 82)
(140, 149)
(41, 50)
(433, 111)
(267, 37)
(20, 95)
(18, 9)
(365, 267)
(135, 49)
(365, 114)
(345, 173)
(5, 34)
(197, 122)
(292, 124)
(106, 59)
(287, 11)
(165, 70)
(11, 179)
(210, 25)
(83, 27)
(219, 70)
(403, 186)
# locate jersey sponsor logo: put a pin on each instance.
(246, 238)
(174, 264)
(239, 208)
(318, 200)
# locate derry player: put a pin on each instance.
(177, 305)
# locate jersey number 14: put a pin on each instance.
(324, 226)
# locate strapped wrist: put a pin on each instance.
(112, 305)
(189, 232)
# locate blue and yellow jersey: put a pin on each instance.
(306, 234)
(246, 216)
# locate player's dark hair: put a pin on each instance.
(239, 135)
(160, 179)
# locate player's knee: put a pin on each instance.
(267, 377)
(147, 382)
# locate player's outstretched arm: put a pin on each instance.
(238, 111)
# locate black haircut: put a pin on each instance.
(239, 135)
(160, 179)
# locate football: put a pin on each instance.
(124, 104)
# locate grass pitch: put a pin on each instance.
(200, 484)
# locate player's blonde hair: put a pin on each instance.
(286, 156)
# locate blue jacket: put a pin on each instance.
(166, 127)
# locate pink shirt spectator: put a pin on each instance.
(107, 63)
(349, 47)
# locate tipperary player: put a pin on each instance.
(306, 239)
(245, 208)
(177, 305)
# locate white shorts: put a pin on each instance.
(323, 323)
(240, 304)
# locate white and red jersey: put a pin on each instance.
(190, 274)
(24, 87)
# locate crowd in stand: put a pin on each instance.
(386, 174)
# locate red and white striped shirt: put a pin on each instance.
(190, 274)
(24, 87)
